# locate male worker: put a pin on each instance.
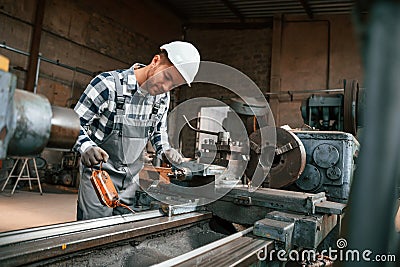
(119, 112)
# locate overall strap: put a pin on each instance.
(120, 101)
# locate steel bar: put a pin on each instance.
(204, 249)
(235, 253)
(28, 234)
(30, 251)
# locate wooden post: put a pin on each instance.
(35, 46)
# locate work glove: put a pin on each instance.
(173, 156)
(93, 155)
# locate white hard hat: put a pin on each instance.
(185, 58)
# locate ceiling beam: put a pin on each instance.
(173, 9)
(307, 8)
(233, 9)
(267, 23)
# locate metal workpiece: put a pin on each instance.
(308, 231)
(193, 168)
(172, 210)
(65, 127)
(330, 158)
(223, 151)
(36, 244)
(32, 118)
(224, 138)
(28, 123)
(288, 162)
(209, 146)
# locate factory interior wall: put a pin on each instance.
(308, 55)
(92, 35)
(294, 54)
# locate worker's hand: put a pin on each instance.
(173, 156)
(93, 155)
(148, 157)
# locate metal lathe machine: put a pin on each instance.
(298, 205)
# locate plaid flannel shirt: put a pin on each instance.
(97, 107)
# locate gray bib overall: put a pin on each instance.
(124, 145)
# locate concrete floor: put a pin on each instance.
(28, 208)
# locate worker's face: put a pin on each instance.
(162, 76)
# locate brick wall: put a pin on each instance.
(249, 51)
(92, 35)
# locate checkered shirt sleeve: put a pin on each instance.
(94, 109)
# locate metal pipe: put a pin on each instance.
(65, 128)
(37, 75)
(55, 62)
(3, 45)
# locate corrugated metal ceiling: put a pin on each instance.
(254, 9)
